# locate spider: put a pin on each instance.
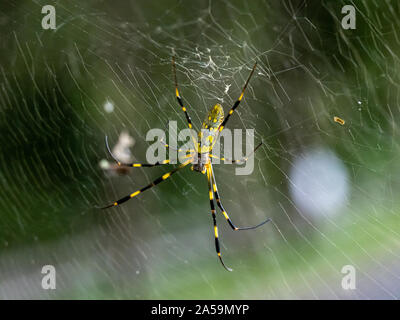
(199, 157)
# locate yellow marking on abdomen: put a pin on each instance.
(216, 231)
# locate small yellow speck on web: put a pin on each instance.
(339, 120)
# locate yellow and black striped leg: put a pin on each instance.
(244, 160)
(178, 97)
(219, 203)
(217, 246)
(151, 185)
(166, 145)
(188, 151)
(135, 165)
(241, 161)
(236, 104)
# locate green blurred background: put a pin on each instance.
(54, 88)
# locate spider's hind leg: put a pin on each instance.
(217, 245)
(149, 186)
(219, 203)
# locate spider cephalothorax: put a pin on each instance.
(199, 162)
(200, 158)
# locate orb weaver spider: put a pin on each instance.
(200, 158)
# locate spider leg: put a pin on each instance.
(219, 203)
(178, 97)
(217, 246)
(243, 160)
(151, 185)
(240, 161)
(238, 100)
(134, 164)
(166, 145)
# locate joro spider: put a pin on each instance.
(199, 157)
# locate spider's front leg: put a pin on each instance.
(236, 104)
(178, 96)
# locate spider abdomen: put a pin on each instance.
(207, 136)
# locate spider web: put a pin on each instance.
(330, 189)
